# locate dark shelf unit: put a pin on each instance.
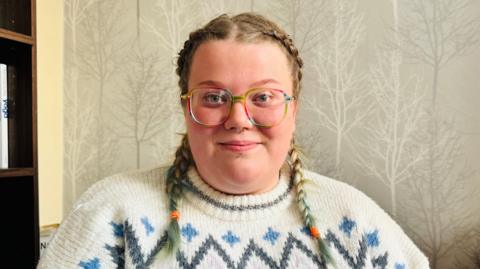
(19, 181)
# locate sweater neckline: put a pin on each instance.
(238, 207)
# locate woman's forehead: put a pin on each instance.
(229, 61)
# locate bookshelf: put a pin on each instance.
(19, 224)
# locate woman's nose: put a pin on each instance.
(238, 119)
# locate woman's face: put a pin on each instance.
(238, 157)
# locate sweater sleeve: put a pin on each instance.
(358, 230)
(91, 236)
(387, 242)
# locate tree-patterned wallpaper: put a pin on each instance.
(388, 103)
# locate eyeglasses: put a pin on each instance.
(265, 107)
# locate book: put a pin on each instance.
(3, 117)
(46, 233)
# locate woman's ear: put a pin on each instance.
(294, 108)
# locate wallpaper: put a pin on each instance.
(388, 103)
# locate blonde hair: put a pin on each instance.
(245, 27)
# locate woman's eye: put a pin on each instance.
(262, 98)
(213, 98)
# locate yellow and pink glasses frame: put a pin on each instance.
(238, 98)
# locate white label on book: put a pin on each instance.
(3, 117)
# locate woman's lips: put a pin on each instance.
(238, 146)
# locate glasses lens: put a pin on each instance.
(210, 106)
(266, 107)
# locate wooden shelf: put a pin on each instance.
(6, 34)
(19, 182)
(16, 172)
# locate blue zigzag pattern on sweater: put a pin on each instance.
(355, 262)
(358, 262)
(210, 244)
(143, 261)
(139, 259)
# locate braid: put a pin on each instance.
(308, 219)
(176, 175)
(287, 43)
(217, 29)
(186, 54)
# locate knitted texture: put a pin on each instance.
(121, 222)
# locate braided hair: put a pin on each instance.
(308, 219)
(176, 175)
(245, 27)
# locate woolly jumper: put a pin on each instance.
(121, 222)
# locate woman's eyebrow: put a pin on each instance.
(221, 85)
(211, 83)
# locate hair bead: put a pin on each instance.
(314, 232)
(175, 215)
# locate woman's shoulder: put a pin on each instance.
(339, 196)
(338, 203)
(109, 209)
(349, 214)
(125, 186)
(332, 188)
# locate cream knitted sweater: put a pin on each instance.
(120, 222)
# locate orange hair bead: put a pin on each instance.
(175, 215)
(314, 232)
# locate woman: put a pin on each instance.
(236, 195)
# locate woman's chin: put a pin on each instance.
(247, 181)
(239, 176)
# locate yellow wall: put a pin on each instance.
(49, 101)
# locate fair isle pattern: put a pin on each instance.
(189, 232)
(148, 227)
(253, 249)
(211, 245)
(117, 229)
(140, 259)
(271, 236)
(231, 238)
(347, 226)
(91, 264)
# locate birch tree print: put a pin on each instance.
(435, 32)
(340, 100)
(213, 8)
(436, 211)
(102, 53)
(78, 109)
(390, 151)
(139, 102)
(170, 27)
(302, 19)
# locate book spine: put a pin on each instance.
(3, 117)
